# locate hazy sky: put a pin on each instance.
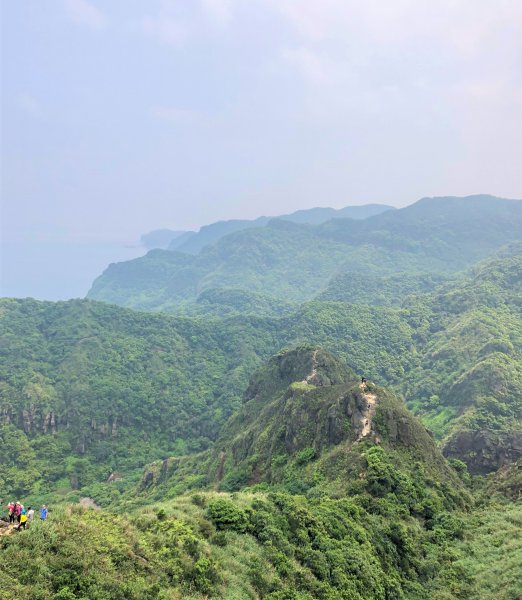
(121, 116)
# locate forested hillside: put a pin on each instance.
(345, 510)
(305, 421)
(82, 383)
(295, 262)
(193, 242)
(234, 444)
(468, 385)
(86, 381)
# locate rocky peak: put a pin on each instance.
(305, 364)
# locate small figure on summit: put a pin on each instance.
(363, 380)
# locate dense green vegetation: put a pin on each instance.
(468, 384)
(225, 473)
(384, 517)
(82, 382)
(284, 257)
(371, 519)
(265, 545)
(367, 288)
(228, 302)
(300, 430)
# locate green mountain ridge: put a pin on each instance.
(84, 381)
(471, 368)
(224, 473)
(304, 424)
(361, 517)
(296, 261)
(194, 242)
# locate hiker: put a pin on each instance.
(43, 513)
(363, 380)
(23, 519)
(30, 515)
(10, 511)
(18, 511)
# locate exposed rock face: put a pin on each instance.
(320, 409)
(148, 479)
(304, 415)
(320, 424)
(399, 430)
(485, 451)
(158, 472)
(508, 481)
(89, 503)
(303, 398)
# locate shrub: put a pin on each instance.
(305, 456)
(227, 516)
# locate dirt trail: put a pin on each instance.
(368, 413)
(7, 530)
(313, 372)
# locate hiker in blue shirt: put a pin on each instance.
(43, 513)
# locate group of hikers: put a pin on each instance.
(24, 517)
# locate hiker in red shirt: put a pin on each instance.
(18, 511)
(11, 512)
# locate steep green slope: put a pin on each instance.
(81, 383)
(84, 369)
(302, 430)
(313, 434)
(307, 424)
(457, 231)
(378, 512)
(295, 262)
(468, 384)
(371, 289)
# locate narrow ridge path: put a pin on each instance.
(368, 413)
(7, 530)
(313, 372)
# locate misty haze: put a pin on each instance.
(261, 300)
